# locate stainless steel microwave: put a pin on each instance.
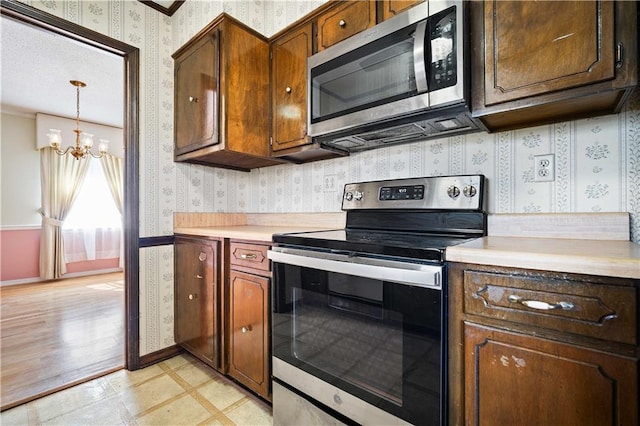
(402, 80)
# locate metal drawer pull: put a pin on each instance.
(193, 99)
(199, 276)
(248, 256)
(193, 296)
(246, 328)
(543, 306)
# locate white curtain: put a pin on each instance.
(61, 177)
(114, 172)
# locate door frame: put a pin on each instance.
(130, 54)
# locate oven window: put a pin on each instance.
(377, 73)
(350, 337)
(378, 340)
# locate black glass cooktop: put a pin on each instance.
(423, 246)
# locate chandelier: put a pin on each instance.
(84, 141)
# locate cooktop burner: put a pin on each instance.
(385, 243)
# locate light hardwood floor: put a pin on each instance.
(57, 334)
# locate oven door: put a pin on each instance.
(361, 336)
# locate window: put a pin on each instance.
(93, 227)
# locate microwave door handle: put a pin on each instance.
(419, 64)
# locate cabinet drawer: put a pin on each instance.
(593, 310)
(252, 256)
(345, 20)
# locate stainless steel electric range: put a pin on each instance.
(359, 314)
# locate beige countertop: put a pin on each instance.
(253, 226)
(591, 257)
(242, 232)
(594, 244)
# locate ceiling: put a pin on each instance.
(37, 66)
(36, 69)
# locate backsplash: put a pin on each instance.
(597, 170)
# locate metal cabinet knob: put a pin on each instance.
(193, 296)
(193, 99)
(288, 89)
(246, 328)
(202, 257)
(342, 23)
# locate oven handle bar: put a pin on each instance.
(427, 276)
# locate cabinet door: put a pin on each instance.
(196, 96)
(391, 8)
(289, 88)
(513, 379)
(533, 48)
(249, 331)
(347, 19)
(195, 298)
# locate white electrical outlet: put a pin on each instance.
(544, 168)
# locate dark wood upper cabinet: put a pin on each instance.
(222, 97)
(543, 62)
(289, 52)
(344, 20)
(196, 99)
(289, 55)
(390, 8)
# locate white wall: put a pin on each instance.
(20, 172)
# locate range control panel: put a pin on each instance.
(461, 192)
(411, 192)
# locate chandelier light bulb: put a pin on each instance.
(55, 138)
(103, 146)
(87, 140)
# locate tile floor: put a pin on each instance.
(178, 391)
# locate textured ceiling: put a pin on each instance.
(37, 66)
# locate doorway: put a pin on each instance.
(130, 55)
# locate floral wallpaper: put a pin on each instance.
(597, 161)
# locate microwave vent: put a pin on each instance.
(349, 143)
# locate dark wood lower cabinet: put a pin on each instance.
(221, 292)
(514, 379)
(531, 347)
(196, 298)
(249, 331)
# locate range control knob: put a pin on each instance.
(469, 191)
(358, 196)
(348, 196)
(453, 191)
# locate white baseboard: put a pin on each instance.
(73, 275)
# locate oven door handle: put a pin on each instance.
(414, 274)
